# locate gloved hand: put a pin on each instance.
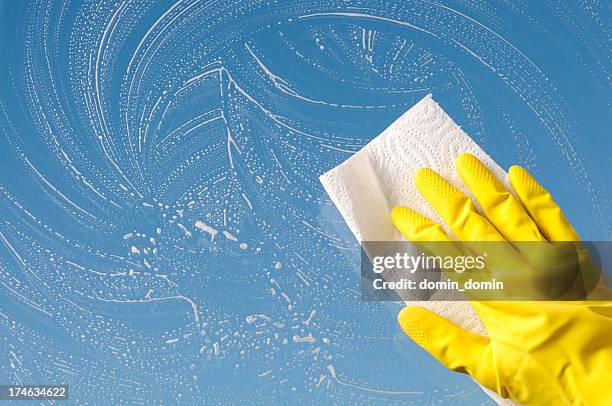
(536, 353)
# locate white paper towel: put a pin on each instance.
(369, 184)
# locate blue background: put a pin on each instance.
(163, 233)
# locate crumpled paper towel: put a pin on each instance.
(369, 184)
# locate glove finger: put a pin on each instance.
(541, 206)
(416, 227)
(456, 209)
(426, 234)
(456, 348)
(502, 209)
(477, 234)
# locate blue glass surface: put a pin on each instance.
(163, 233)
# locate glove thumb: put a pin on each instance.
(455, 347)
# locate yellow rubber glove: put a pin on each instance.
(536, 353)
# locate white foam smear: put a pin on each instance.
(367, 186)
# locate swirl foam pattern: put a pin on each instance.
(163, 234)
